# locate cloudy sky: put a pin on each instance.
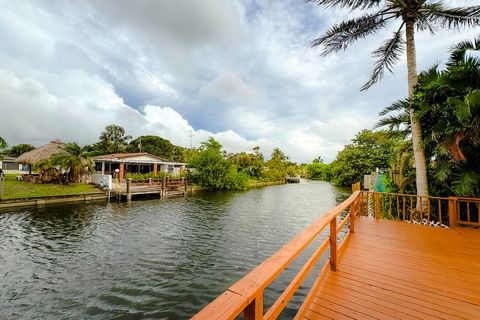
(241, 71)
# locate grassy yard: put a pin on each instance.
(14, 189)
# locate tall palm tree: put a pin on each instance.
(447, 103)
(411, 15)
(74, 159)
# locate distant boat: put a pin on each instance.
(292, 179)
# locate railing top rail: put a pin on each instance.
(406, 195)
(429, 197)
(246, 289)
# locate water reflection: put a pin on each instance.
(151, 259)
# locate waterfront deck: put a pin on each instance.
(395, 270)
(165, 189)
(376, 269)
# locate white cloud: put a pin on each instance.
(37, 115)
(241, 71)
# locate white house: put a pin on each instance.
(136, 163)
(9, 165)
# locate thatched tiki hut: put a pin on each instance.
(41, 154)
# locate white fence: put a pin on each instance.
(103, 180)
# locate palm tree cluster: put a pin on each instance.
(410, 16)
(447, 104)
(75, 160)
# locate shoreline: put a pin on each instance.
(57, 199)
(95, 196)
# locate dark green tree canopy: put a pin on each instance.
(19, 149)
(113, 139)
(210, 167)
(157, 146)
(369, 150)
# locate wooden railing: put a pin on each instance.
(247, 295)
(433, 211)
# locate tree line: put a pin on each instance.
(208, 165)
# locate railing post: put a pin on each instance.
(353, 213)
(254, 311)
(333, 244)
(360, 204)
(129, 193)
(452, 212)
(376, 198)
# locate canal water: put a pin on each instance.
(155, 259)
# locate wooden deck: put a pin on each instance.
(377, 269)
(165, 189)
(395, 270)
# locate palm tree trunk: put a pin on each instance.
(420, 162)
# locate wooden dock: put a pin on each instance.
(164, 188)
(395, 270)
(376, 269)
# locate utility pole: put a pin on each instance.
(191, 140)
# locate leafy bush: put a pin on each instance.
(210, 168)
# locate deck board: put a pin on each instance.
(396, 270)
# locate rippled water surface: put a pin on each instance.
(155, 259)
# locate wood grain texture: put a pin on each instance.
(395, 270)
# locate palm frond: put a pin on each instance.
(388, 55)
(351, 4)
(423, 24)
(397, 122)
(465, 183)
(341, 35)
(458, 51)
(452, 18)
(399, 105)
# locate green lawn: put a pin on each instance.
(14, 189)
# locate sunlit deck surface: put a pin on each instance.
(396, 270)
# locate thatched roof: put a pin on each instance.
(42, 153)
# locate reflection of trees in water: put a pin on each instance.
(341, 194)
(68, 221)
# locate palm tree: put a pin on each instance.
(75, 160)
(48, 170)
(420, 15)
(447, 103)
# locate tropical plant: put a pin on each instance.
(249, 163)
(3, 143)
(48, 170)
(319, 170)
(368, 151)
(211, 168)
(412, 15)
(73, 158)
(113, 139)
(447, 103)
